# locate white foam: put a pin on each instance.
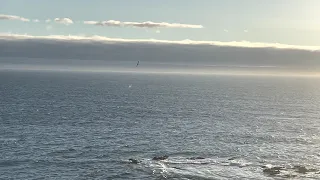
(216, 168)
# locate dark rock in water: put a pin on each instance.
(195, 158)
(273, 171)
(313, 170)
(157, 158)
(303, 170)
(289, 175)
(232, 158)
(277, 168)
(298, 169)
(134, 161)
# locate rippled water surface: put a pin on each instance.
(87, 126)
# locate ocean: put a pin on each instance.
(83, 125)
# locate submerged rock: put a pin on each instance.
(195, 158)
(134, 161)
(303, 170)
(158, 158)
(290, 176)
(232, 158)
(272, 171)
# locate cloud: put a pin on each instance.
(104, 23)
(48, 20)
(65, 21)
(226, 30)
(102, 39)
(150, 24)
(245, 31)
(12, 17)
(158, 31)
(55, 49)
(36, 20)
(147, 24)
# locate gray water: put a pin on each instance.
(70, 125)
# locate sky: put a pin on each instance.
(292, 22)
(208, 35)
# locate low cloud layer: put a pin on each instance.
(65, 21)
(12, 17)
(102, 39)
(55, 49)
(147, 24)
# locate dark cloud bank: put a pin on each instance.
(192, 55)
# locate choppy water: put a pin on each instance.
(87, 126)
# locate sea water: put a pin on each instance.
(73, 125)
